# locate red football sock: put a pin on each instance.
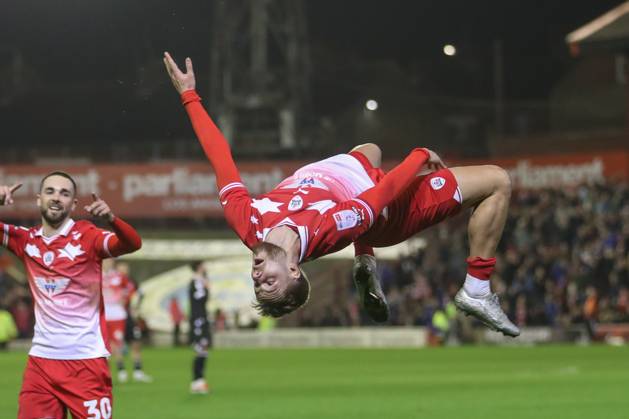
(480, 268)
(362, 249)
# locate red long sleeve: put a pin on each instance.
(395, 182)
(125, 240)
(212, 140)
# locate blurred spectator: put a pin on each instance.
(8, 331)
(220, 320)
(176, 316)
(5, 283)
(439, 327)
(266, 323)
(23, 315)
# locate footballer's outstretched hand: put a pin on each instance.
(100, 209)
(181, 81)
(6, 193)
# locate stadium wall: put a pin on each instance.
(364, 337)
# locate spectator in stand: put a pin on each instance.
(220, 320)
(8, 331)
(5, 283)
(22, 312)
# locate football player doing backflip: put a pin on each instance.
(327, 205)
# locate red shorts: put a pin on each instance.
(51, 387)
(115, 332)
(429, 200)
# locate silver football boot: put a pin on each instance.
(487, 310)
(372, 298)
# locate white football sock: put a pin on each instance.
(476, 287)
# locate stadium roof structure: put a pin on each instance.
(608, 31)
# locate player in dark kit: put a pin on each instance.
(327, 205)
(200, 333)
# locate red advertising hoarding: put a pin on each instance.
(173, 190)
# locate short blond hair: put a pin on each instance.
(295, 296)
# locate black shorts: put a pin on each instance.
(200, 333)
(132, 331)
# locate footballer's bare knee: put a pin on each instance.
(479, 182)
(371, 151)
(500, 179)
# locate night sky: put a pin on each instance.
(86, 60)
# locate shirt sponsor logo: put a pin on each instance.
(346, 219)
(437, 183)
(296, 203)
(51, 286)
(305, 183)
(48, 258)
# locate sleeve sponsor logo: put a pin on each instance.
(347, 219)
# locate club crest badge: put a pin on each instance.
(48, 258)
(296, 203)
(437, 183)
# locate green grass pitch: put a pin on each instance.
(467, 382)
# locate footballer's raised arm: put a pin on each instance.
(233, 194)
(350, 219)
(124, 239)
(396, 181)
(121, 240)
(211, 138)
